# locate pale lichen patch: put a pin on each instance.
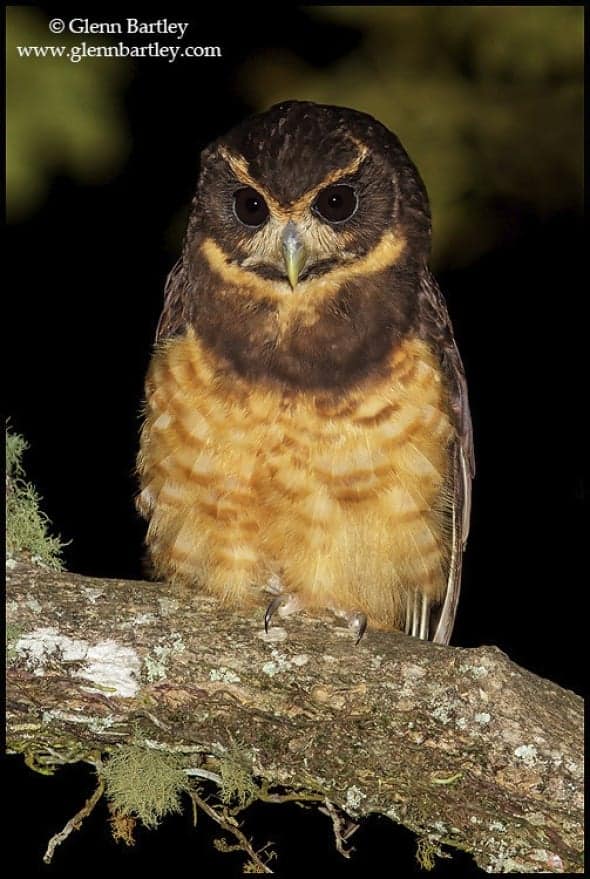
(482, 718)
(141, 619)
(441, 713)
(167, 605)
(526, 753)
(300, 659)
(477, 671)
(91, 593)
(156, 666)
(107, 664)
(354, 798)
(276, 633)
(394, 814)
(39, 645)
(502, 857)
(177, 644)
(155, 669)
(277, 664)
(549, 859)
(112, 666)
(101, 724)
(226, 675)
(67, 717)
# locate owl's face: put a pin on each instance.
(307, 240)
(303, 190)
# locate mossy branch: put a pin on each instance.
(462, 746)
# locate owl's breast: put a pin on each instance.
(286, 476)
(390, 436)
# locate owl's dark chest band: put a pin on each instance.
(329, 345)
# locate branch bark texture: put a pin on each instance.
(460, 745)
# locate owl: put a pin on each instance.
(307, 436)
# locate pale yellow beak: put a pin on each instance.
(294, 252)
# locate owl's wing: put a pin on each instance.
(174, 316)
(436, 327)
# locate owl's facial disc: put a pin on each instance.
(294, 243)
(296, 218)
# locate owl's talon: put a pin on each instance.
(272, 608)
(358, 624)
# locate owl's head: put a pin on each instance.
(304, 190)
(307, 240)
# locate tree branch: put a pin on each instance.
(461, 746)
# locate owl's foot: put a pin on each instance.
(358, 623)
(286, 602)
(355, 619)
(417, 616)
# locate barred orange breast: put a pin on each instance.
(345, 498)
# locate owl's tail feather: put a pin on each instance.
(417, 615)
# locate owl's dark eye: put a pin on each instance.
(250, 208)
(336, 203)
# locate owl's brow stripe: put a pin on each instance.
(384, 255)
(239, 167)
(332, 178)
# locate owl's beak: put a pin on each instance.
(294, 252)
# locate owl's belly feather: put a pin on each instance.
(347, 501)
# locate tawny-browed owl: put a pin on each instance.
(307, 429)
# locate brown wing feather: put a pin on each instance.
(436, 326)
(174, 316)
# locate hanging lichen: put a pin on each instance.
(27, 527)
(144, 784)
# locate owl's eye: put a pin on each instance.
(336, 203)
(250, 208)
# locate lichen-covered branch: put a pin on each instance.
(462, 746)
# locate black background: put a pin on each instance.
(87, 273)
